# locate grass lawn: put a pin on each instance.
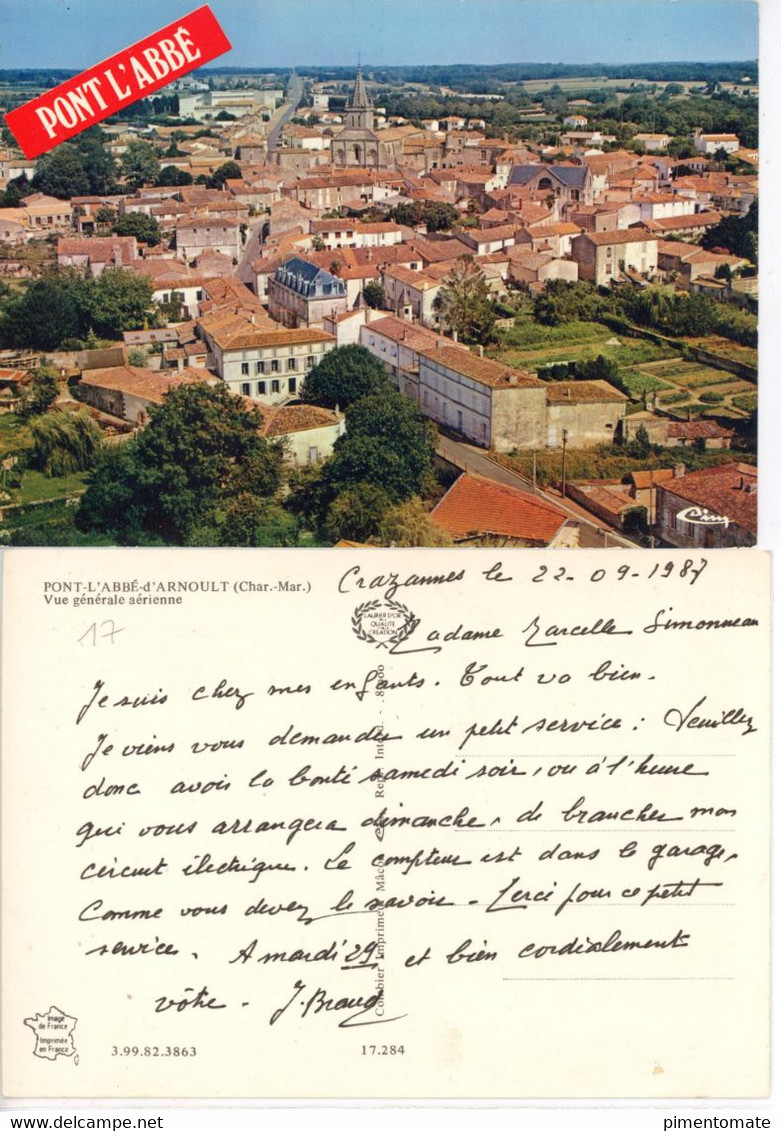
(529, 345)
(14, 435)
(37, 487)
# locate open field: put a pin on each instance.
(645, 366)
(532, 346)
(726, 348)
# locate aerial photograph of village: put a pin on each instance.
(480, 273)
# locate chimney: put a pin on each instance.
(479, 351)
(567, 392)
(440, 343)
(455, 335)
(679, 471)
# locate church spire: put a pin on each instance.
(360, 99)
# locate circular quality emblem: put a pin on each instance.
(383, 622)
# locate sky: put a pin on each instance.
(285, 33)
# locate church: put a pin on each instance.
(357, 146)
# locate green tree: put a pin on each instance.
(228, 171)
(171, 175)
(118, 300)
(201, 449)
(345, 374)
(41, 393)
(139, 164)
(374, 293)
(138, 357)
(387, 443)
(62, 443)
(252, 521)
(410, 524)
(61, 173)
(464, 304)
(50, 310)
(356, 513)
(145, 228)
(737, 234)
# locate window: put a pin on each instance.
(292, 363)
(261, 388)
(260, 367)
(245, 368)
(310, 361)
(313, 455)
(275, 366)
(275, 386)
(291, 384)
(245, 388)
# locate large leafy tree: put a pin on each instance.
(118, 300)
(171, 175)
(388, 443)
(50, 310)
(139, 164)
(228, 171)
(738, 234)
(136, 224)
(61, 173)
(345, 374)
(464, 304)
(201, 450)
(41, 393)
(62, 443)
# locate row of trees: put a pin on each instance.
(676, 313)
(64, 305)
(83, 167)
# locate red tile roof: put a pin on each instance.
(723, 490)
(475, 505)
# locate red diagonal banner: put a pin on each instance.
(101, 91)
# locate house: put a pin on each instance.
(97, 252)
(653, 143)
(491, 404)
(129, 392)
(197, 233)
(47, 213)
(688, 225)
(569, 184)
(670, 433)
(691, 261)
(351, 233)
(602, 256)
(708, 144)
(589, 412)
(607, 499)
(532, 267)
(173, 281)
(576, 122)
(479, 512)
(397, 343)
(411, 294)
(266, 365)
(714, 507)
(301, 294)
(309, 432)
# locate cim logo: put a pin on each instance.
(699, 516)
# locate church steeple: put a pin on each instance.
(360, 99)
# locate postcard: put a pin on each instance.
(385, 824)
